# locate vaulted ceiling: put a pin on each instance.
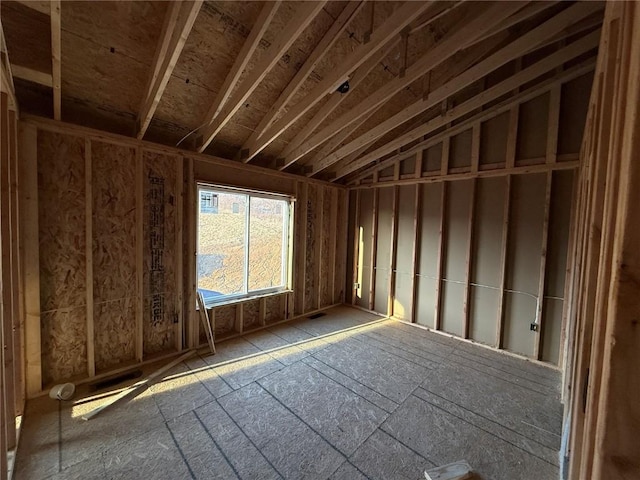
(266, 82)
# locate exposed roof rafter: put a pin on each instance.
(398, 21)
(474, 21)
(248, 48)
(330, 37)
(303, 17)
(178, 23)
(510, 52)
(31, 75)
(554, 60)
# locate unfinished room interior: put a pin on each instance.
(339, 240)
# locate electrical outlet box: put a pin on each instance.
(356, 285)
(534, 327)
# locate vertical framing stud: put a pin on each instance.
(417, 230)
(437, 319)
(356, 277)
(503, 261)
(194, 325)
(88, 182)
(374, 249)
(29, 207)
(543, 269)
(393, 256)
(468, 262)
(179, 306)
(553, 124)
(444, 163)
(475, 147)
(139, 255)
(512, 137)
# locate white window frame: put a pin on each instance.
(286, 238)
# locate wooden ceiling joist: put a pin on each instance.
(330, 37)
(460, 62)
(303, 17)
(334, 102)
(474, 21)
(552, 61)
(397, 22)
(41, 6)
(178, 23)
(31, 75)
(248, 48)
(510, 52)
(56, 59)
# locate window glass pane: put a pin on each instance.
(221, 243)
(267, 233)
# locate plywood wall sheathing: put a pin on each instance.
(61, 222)
(114, 253)
(160, 256)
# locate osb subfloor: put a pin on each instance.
(356, 397)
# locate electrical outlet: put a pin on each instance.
(356, 285)
(534, 327)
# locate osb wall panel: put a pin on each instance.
(455, 254)
(160, 258)
(64, 344)
(114, 332)
(383, 251)
(523, 261)
(274, 309)
(61, 221)
(250, 314)
(225, 319)
(402, 305)
(114, 254)
(61, 195)
(311, 280)
(428, 253)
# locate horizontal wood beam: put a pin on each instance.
(178, 23)
(303, 17)
(391, 28)
(41, 6)
(554, 60)
(510, 52)
(328, 40)
(31, 75)
(495, 172)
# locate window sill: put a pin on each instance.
(236, 301)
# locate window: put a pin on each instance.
(242, 243)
